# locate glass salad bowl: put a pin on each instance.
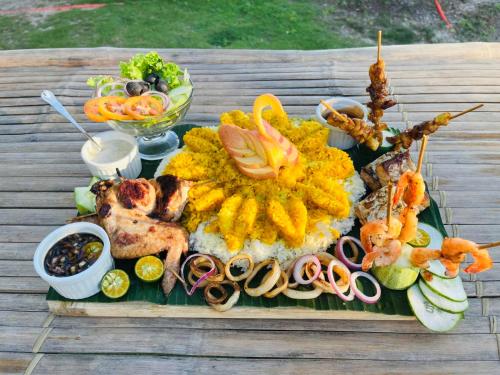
(154, 137)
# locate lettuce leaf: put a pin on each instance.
(140, 66)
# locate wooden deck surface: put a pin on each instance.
(40, 164)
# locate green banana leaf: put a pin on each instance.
(392, 301)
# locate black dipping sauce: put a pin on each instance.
(73, 254)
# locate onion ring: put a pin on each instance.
(281, 285)
(210, 298)
(331, 279)
(267, 283)
(245, 274)
(355, 245)
(231, 300)
(298, 269)
(290, 291)
(321, 282)
(203, 262)
(363, 297)
(202, 278)
(164, 98)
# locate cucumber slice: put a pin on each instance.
(429, 315)
(453, 289)
(436, 267)
(84, 199)
(441, 302)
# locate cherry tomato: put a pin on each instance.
(112, 107)
(91, 109)
(141, 107)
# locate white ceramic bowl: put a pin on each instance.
(85, 283)
(129, 165)
(337, 137)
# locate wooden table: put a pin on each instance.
(40, 164)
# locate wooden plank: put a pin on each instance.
(14, 363)
(34, 216)
(18, 339)
(23, 285)
(472, 325)
(146, 310)
(106, 364)
(41, 184)
(17, 233)
(17, 268)
(37, 199)
(264, 344)
(17, 251)
(23, 318)
(23, 302)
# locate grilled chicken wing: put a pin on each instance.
(171, 197)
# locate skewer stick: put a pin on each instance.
(466, 111)
(379, 44)
(389, 204)
(488, 245)
(333, 110)
(421, 154)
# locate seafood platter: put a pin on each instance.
(261, 215)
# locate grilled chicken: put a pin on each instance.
(122, 210)
(171, 197)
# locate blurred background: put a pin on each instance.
(277, 24)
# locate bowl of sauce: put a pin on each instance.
(118, 150)
(74, 258)
(353, 109)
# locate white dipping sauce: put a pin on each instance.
(112, 150)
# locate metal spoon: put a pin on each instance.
(49, 97)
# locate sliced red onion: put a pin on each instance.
(165, 99)
(202, 278)
(339, 252)
(333, 283)
(363, 297)
(297, 270)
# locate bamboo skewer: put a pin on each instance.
(421, 154)
(466, 111)
(488, 245)
(331, 109)
(389, 204)
(379, 44)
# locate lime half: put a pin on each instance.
(423, 239)
(115, 283)
(149, 268)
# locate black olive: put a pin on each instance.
(137, 88)
(162, 86)
(152, 78)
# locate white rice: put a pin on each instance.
(315, 242)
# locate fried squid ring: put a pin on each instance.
(321, 282)
(210, 298)
(268, 282)
(231, 301)
(245, 274)
(281, 285)
(197, 264)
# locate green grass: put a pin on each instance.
(277, 24)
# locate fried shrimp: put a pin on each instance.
(453, 252)
(411, 187)
(380, 243)
(410, 224)
(382, 256)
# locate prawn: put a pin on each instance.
(411, 187)
(410, 224)
(377, 232)
(453, 252)
(382, 256)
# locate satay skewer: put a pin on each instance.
(389, 204)
(379, 44)
(488, 245)
(421, 153)
(466, 111)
